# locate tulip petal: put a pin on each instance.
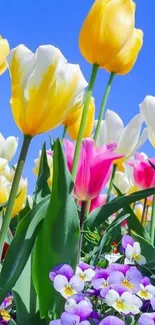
(114, 126)
(130, 136)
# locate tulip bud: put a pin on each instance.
(50, 164)
(73, 130)
(4, 51)
(125, 60)
(5, 187)
(107, 28)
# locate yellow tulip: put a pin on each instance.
(4, 51)
(73, 130)
(50, 164)
(45, 88)
(107, 28)
(5, 187)
(72, 118)
(125, 60)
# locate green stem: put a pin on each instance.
(14, 189)
(83, 120)
(87, 209)
(152, 225)
(111, 183)
(82, 214)
(64, 132)
(143, 213)
(103, 105)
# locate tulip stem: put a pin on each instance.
(83, 120)
(82, 214)
(87, 209)
(103, 105)
(144, 212)
(152, 225)
(64, 132)
(14, 189)
(111, 183)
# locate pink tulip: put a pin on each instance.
(94, 167)
(143, 172)
(98, 202)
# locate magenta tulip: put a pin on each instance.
(143, 172)
(94, 167)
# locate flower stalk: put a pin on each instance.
(103, 105)
(14, 189)
(83, 120)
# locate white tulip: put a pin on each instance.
(128, 137)
(147, 108)
(8, 147)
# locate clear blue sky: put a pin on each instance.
(35, 22)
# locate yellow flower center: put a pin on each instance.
(5, 315)
(144, 294)
(69, 291)
(82, 276)
(120, 305)
(136, 257)
(128, 284)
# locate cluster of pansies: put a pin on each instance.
(93, 294)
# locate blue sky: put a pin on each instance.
(58, 22)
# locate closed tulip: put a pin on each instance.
(143, 172)
(4, 51)
(44, 88)
(5, 187)
(106, 30)
(125, 60)
(73, 130)
(50, 164)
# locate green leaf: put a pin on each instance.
(133, 222)
(22, 294)
(108, 233)
(11, 322)
(98, 216)
(21, 247)
(42, 188)
(57, 241)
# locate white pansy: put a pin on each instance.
(133, 253)
(85, 275)
(128, 138)
(122, 303)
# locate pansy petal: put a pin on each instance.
(111, 297)
(60, 281)
(77, 283)
(69, 319)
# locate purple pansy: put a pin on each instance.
(118, 267)
(111, 320)
(147, 319)
(83, 309)
(67, 287)
(85, 272)
(69, 319)
(130, 280)
(126, 239)
(101, 279)
(62, 269)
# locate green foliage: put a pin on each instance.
(57, 241)
(98, 216)
(21, 247)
